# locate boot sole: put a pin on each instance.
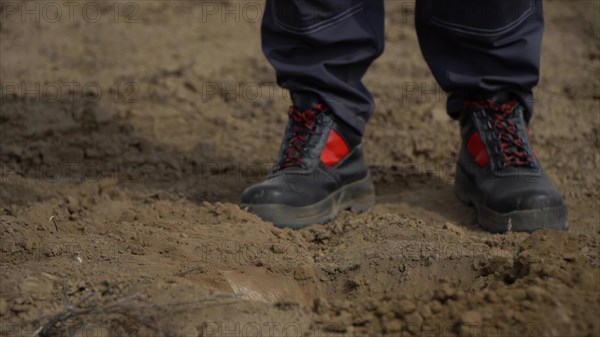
(516, 221)
(358, 197)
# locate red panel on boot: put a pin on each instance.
(335, 149)
(477, 149)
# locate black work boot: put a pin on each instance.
(498, 172)
(320, 171)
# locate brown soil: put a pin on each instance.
(141, 162)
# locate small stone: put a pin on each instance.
(128, 216)
(436, 306)
(570, 257)
(72, 201)
(425, 311)
(21, 304)
(535, 293)
(470, 317)
(277, 249)
(276, 232)
(370, 304)
(362, 320)
(383, 308)
(453, 228)
(340, 323)
(405, 307)
(28, 244)
(491, 297)
(340, 305)
(444, 293)
(302, 273)
(393, 326)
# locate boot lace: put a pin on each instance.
(302, 125)
(510, 144)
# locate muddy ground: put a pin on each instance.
(128, 130)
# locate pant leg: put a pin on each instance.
(323, 48)
(474, 47)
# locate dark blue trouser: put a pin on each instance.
(473, 47)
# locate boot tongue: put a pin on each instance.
(502, 118)
(304, 117)
(305, 100)
(502, 97)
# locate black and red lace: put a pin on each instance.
(510, 144)
(302, 125)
